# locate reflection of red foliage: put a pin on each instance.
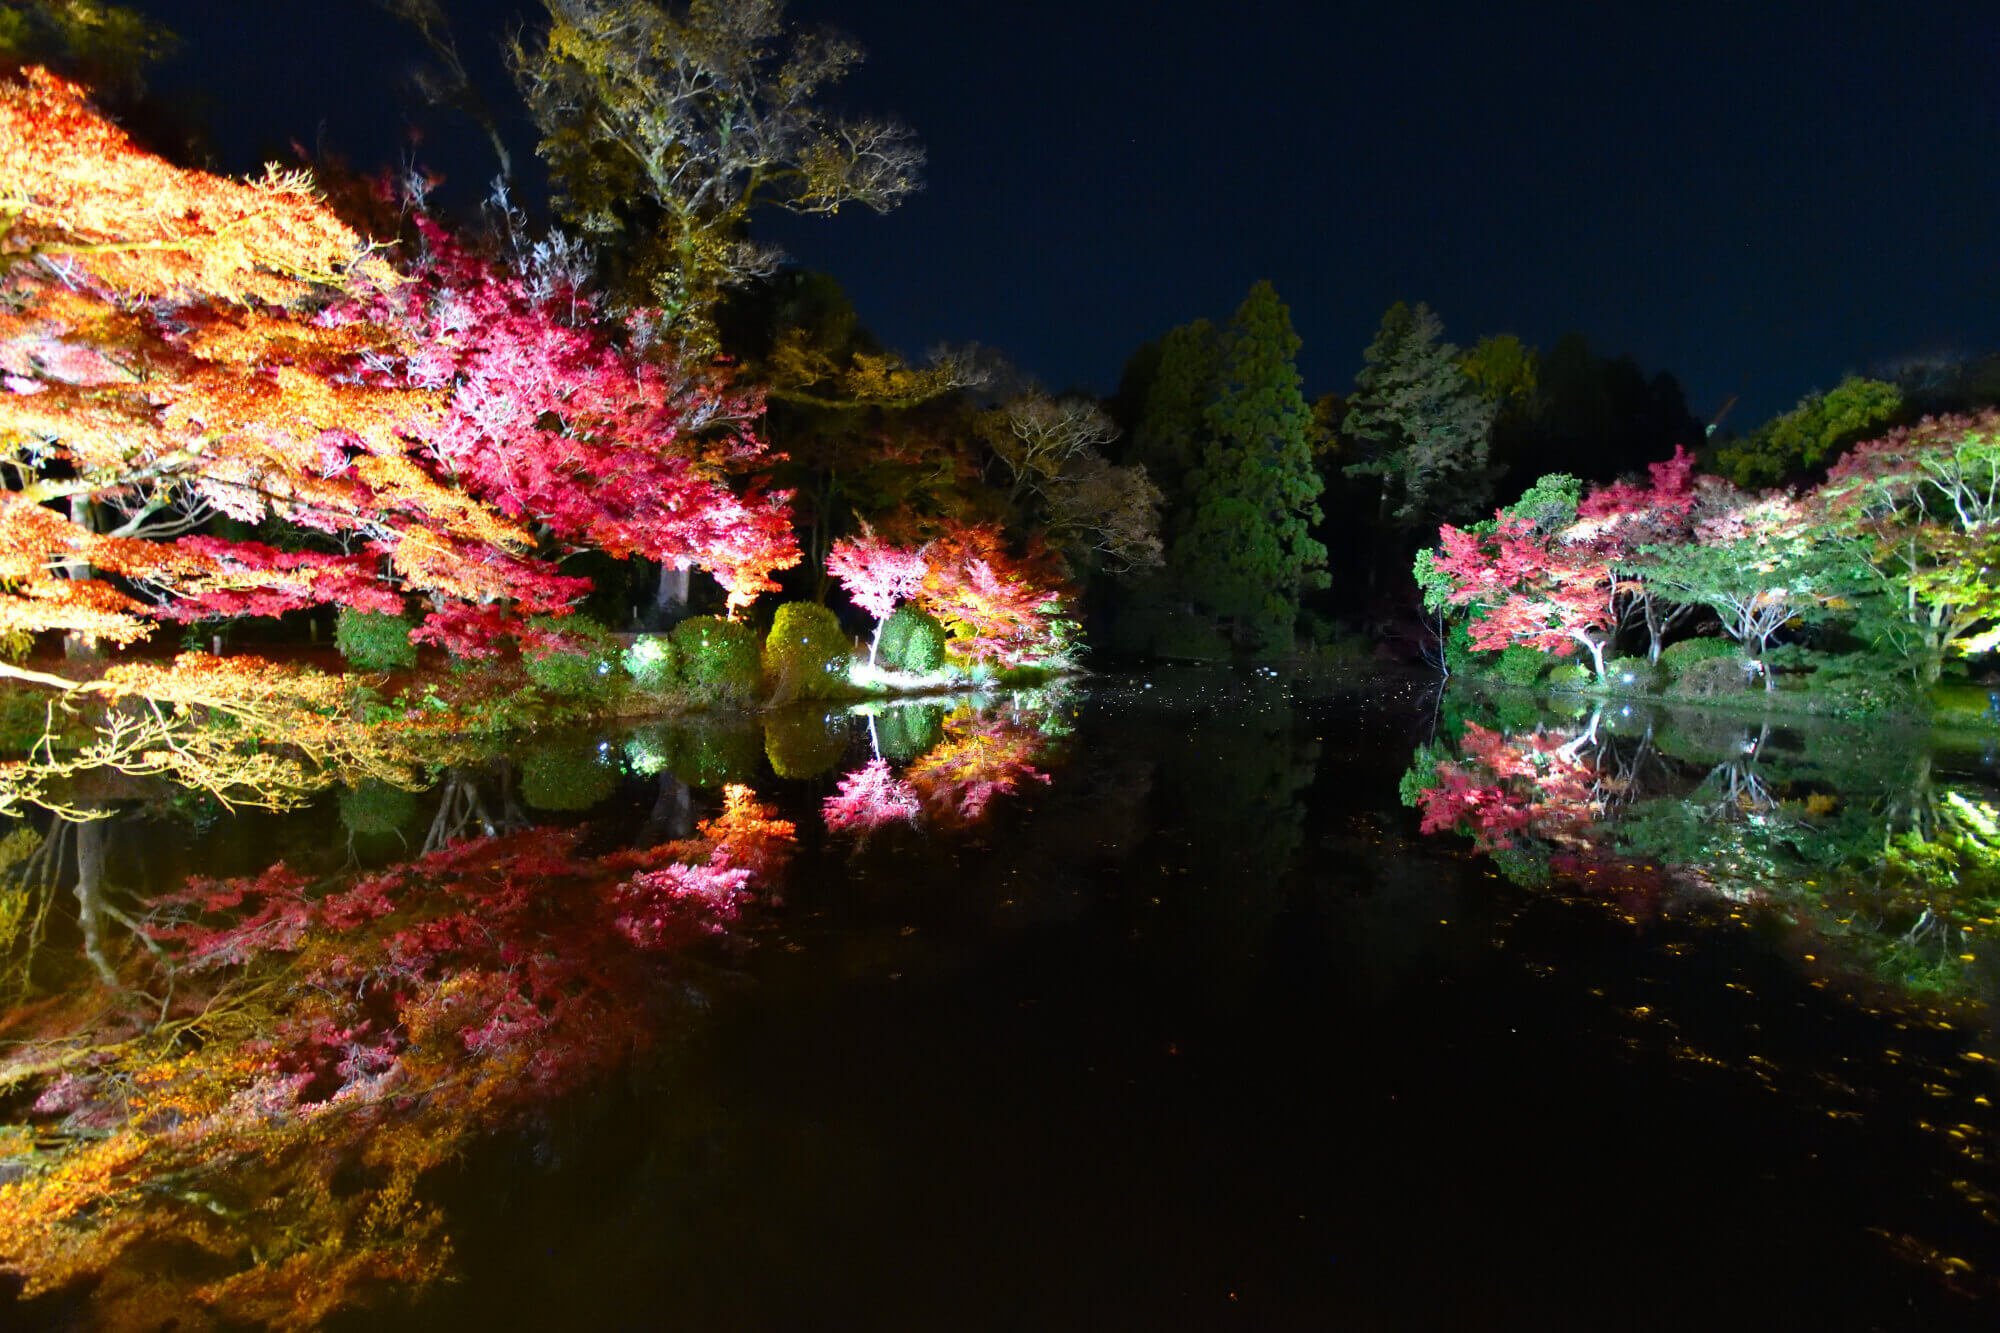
(366, 1031)
(1535, 783)
(870, 798)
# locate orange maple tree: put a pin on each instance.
(165, 359)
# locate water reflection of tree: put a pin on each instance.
(1856, 840)
(256, 1150)
(1230, 811)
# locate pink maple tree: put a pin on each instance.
(878, 574)
(558, 419)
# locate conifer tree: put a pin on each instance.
(1244, 553)
(1422, 422)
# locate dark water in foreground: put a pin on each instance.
(1153, 1008)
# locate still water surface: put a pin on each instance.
(1146, 1005)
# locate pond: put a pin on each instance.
(1211, 998)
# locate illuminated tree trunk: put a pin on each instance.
(90, 903)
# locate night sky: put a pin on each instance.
(1757, 197)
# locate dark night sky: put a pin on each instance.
(1756, 195)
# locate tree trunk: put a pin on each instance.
(90, 896)
(670, 596)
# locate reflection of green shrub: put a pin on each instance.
(581, 666)
(912, 640)
(718, 658)
(377, 808)
(1676, 658)
(652, 662)
(806, 655)
(804, 742)
(1519, 664)
(706, 755)
(25, 718)
(568, 777)
(908, 731)
(1518, 712)
(373, 640)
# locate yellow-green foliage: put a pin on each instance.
(912, 640)
(582, 666)
(653, 663)
(374, 640)
(803, 742)
(806, 655)
(718, 658)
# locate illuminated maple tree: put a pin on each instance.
(161, 363)
(565, 420)
(997, 605)
(879, 575)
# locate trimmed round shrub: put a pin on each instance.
(568, 777)
(653, 662)
(912, 640)
(1633, 675)
(1712, 676)
(1519, 664)
(1571, 676)
(804, 742)
(373, 640)
(1676, 658)
(806, 655)
(582, 664)
(718, 658)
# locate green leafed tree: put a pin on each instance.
(1243, 553)
(1816, 430)
(666, 126)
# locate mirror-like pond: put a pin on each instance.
(1195, 1000)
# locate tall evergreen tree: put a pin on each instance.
(1242, 552)
(1422, 423)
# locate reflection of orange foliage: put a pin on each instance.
(981, 757)
(259, 1157)
(748, 833)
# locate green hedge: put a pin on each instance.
(1519, 664)
(718, 658)
(373, 640)
(912, 640)
(653, 662)
(584, 665)
(1676, 658)
(806, 655)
